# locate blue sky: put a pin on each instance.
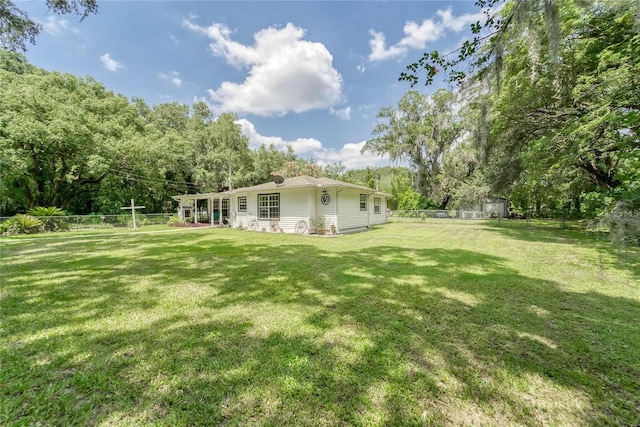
(309, 74)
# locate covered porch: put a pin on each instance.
(209, 208)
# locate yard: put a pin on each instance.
(410, 323)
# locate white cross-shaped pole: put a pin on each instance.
(133, 208)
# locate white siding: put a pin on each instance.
(328, 211)
(498, 208)
(294, 207)
(377, 218)
(351, 216)
(239, 219)
(303, 204)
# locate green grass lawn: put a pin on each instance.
(407, 324)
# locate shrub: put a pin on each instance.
(48, 218)
(6, 226)
(42, 211)
(317, 222)
(22, 224)
(174, 221)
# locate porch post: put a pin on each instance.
(219, 211)
(210, 204)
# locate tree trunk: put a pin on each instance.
(444, 203)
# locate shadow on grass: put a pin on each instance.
(541, 232)
(203, 329)
(625, 258)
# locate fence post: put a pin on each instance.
(77, 223)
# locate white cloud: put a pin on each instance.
(379, 52)
(109, 63)
(349, 154)
(418, 35)
(284, 72)
(344, 113)
(459, 23)
(56, 26)
(299, 145)
(366, 110)
(173, 77)
(361, 68)
(351, 157)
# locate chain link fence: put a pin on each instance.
(440, 215)
(462, 216)
(123, 221)
(90, 222)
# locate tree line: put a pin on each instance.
(68, 142)
(543, 109)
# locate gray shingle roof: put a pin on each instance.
(303, 181)
(306, 181)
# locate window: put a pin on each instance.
(363, 202)
(269, 206)
(242, 204)
(376, 205)
(225, 208)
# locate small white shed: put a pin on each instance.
(494, 206)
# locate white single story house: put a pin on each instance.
(300, 204)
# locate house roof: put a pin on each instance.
(303, 181)
(200, 196)
(307, 181)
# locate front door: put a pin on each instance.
(220, 215)
(225, 210)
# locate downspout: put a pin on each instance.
(337, 217)
(369, 209)
(312, 209)
(210, 203)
